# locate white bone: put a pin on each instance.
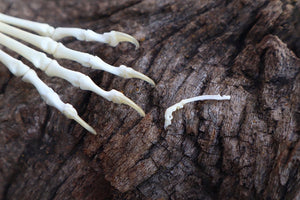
(177, 106)
(52, 68)
(112, 38)
(48, 95)
(58, 50)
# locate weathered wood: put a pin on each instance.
(245, 148)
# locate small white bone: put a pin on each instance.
(52, 68)
(58, 50)
(48, 95)
(112, 38)
(177, 106)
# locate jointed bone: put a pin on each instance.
(49, 96)
(58, 50)
(112, 38)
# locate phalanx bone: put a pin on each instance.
(45, 39)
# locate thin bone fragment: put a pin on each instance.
(177, 106)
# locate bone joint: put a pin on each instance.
(46, 40)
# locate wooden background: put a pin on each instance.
(245, 148)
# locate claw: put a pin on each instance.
(119, 98)
(85, 83)
(122, 71)
(114, 37)
(71, 113)
(128, 72)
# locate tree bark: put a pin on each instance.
(245, 148)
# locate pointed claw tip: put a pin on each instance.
(93, 131)
(119, 98)
(133, 41)
(128, 72)
(151, 82)
(142, 114)
(123, 37)
(136, 43)
(71, 113)
(137, 108)
(87, 127)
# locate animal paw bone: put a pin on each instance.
(112, 38)
(46, 41)
(177, 106)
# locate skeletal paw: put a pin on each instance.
(46, 41)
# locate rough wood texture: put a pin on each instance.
(246, 148)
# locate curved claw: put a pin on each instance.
(71, 113)
(113, 38)
(122, 71)
(119, 98)
(85, 83)
(128, 72)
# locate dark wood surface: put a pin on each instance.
(245, 148)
